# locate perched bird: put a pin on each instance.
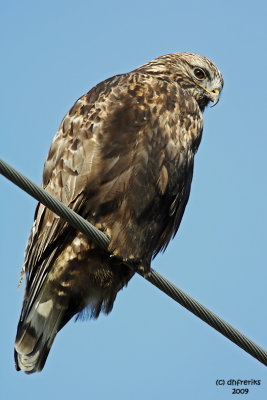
(123, 159)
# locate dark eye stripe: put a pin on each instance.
(207, 73)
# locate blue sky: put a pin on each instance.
(149, 347)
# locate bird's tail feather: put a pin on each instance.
(36, 334)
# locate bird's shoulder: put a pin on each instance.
(125, 103)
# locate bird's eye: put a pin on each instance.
(199, 73)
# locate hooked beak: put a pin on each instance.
(214, 95)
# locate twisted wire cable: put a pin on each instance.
(153, 277)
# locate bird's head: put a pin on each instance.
(201, 76)
(193, 72)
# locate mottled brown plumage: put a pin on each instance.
(123, 159)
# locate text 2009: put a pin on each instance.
(240, 391)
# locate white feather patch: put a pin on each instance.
(44, 309)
